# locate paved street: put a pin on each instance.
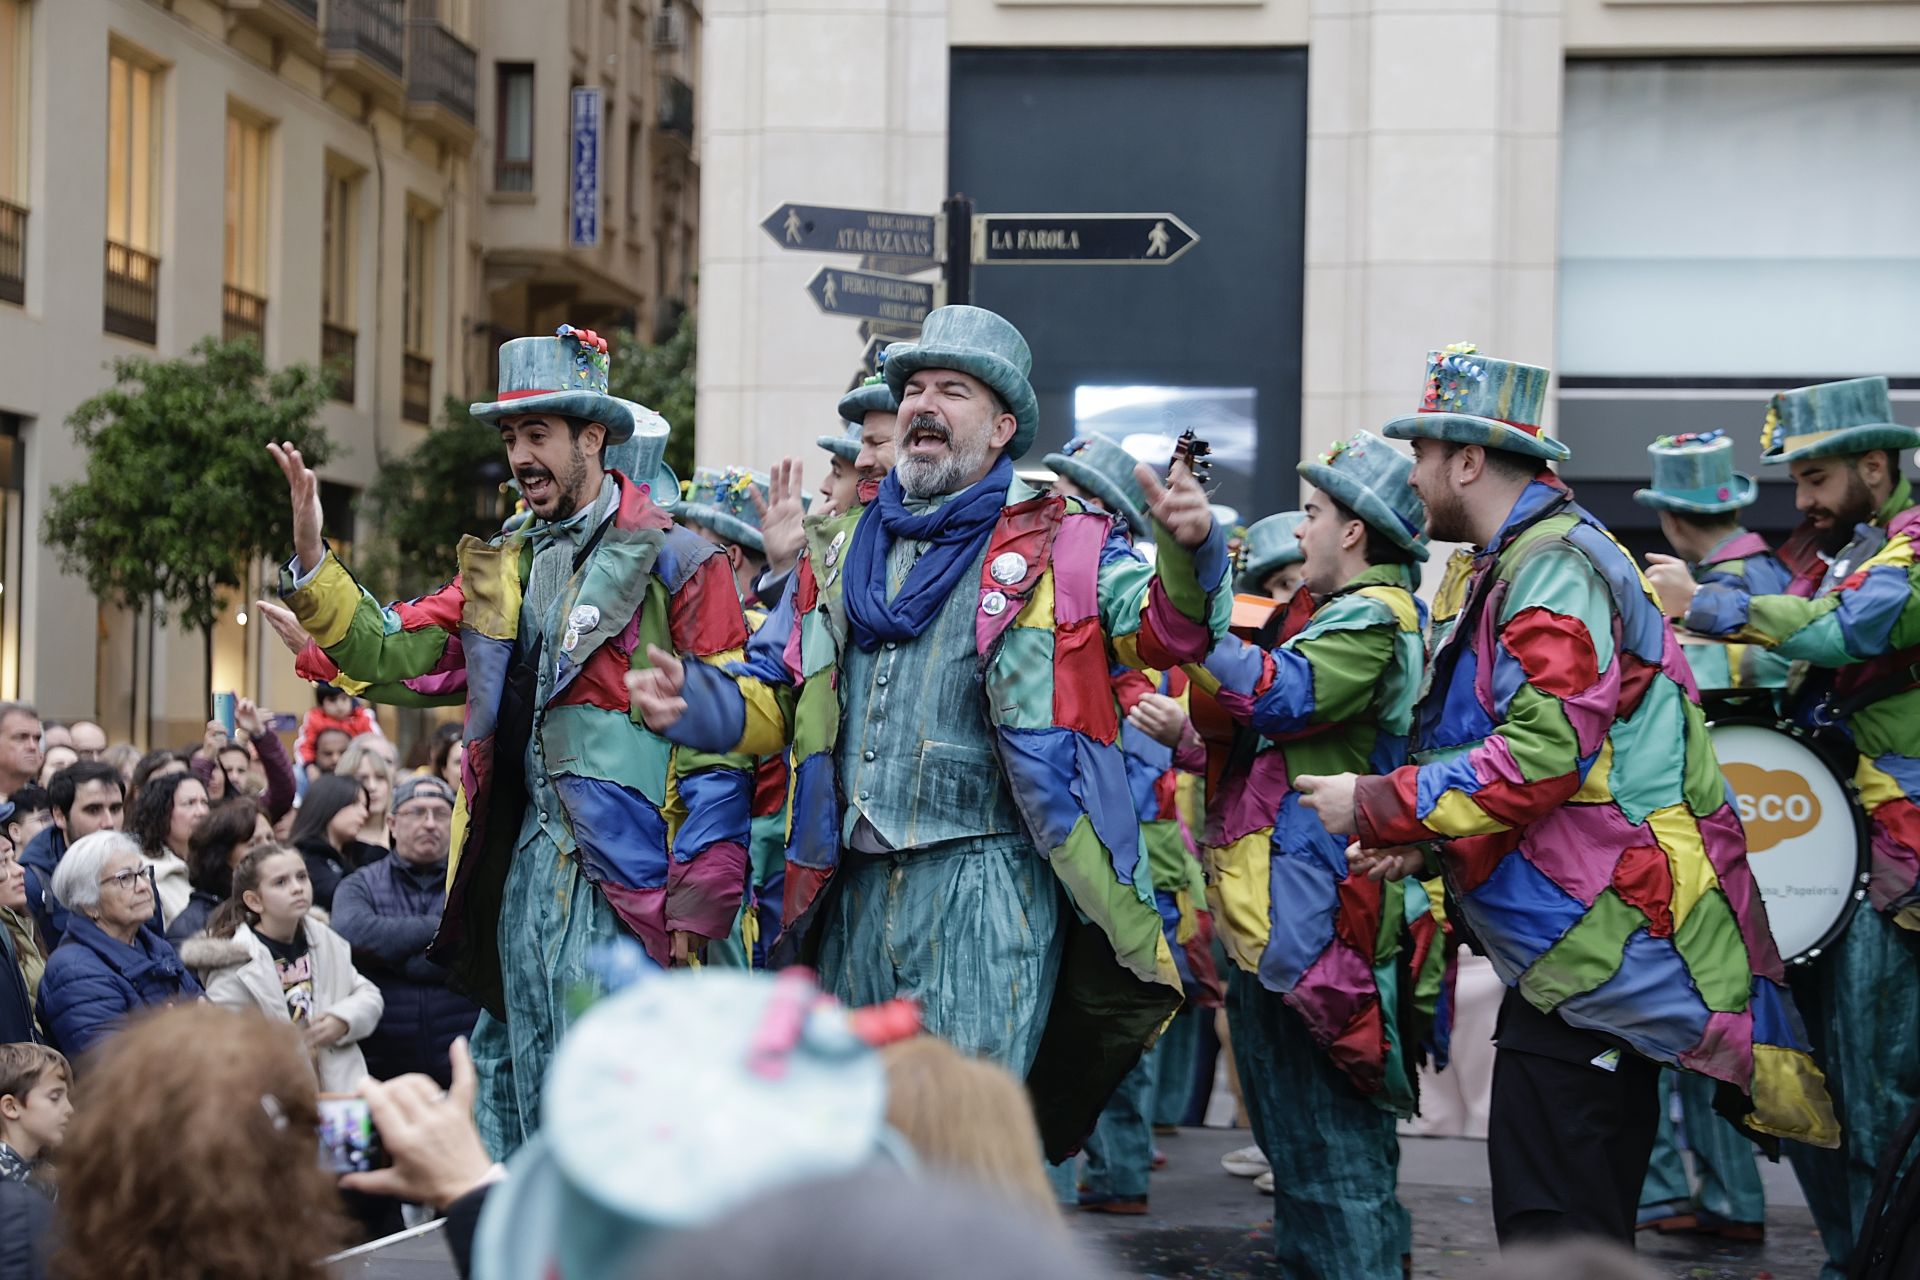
(1207, 1224)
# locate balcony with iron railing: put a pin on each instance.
(338, 345)
(295, 20)
(367, 45)
(132, 299)
(243, 315)
(13, 252)
(440, 81)
(416, 388)
(676, 107)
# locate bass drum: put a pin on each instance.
(1807, 837)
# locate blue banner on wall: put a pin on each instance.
(583, 203)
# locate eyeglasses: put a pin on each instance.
(125, 880)
(433, 811)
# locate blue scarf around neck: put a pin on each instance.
(957, 531)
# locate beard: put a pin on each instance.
(569, 487)
(924, 477)
(1447, 519)
(1855, 509)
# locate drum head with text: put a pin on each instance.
(1803, 831)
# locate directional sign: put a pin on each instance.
(818, 229)
(893, 266)
(1083, 239)
(889, 332)
(866, 294)
(870, 358)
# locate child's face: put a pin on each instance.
(40, 1119)
(339, 707)
(285, 891)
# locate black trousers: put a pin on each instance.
(1567, 1140)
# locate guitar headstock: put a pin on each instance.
(1196, 453)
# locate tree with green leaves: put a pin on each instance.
(180, 497)
(421, 505)
(660, 377)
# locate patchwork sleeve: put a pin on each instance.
(710, 807)
(743, 701)
(1326, 675)
(1172, 611)
(1874, 612)
(406, 652)
(1554, 651)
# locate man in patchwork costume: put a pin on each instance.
(1699, 497)
(578, 825)
(1563, 780)
(941, 666)
(1318, 1000)
(1160, 746)
(723, 505)
(1853, 616)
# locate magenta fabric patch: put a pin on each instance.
(1076, 566)
(1725, 1051)
(1330, 993)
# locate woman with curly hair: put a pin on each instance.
(170, 809)
(195, 1155)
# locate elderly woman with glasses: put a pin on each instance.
(111, 962)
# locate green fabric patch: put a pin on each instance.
(1586, 955)
(1020, 679)
(1349, 662)
(1122, 594)
(816, 718)
(1706, 785)
(1124, 913)
(819, 645)
(1643, 778)
(1537, 733)
(593, 742)
(1709, 941)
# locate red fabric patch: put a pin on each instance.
(1207, 991)
(770, 786)
(601, 683)
(441, 609)
(1474, 858)
(1082, 691)
(1129, 687)
(801, 887)
(1636, 677)
(1386, 809)
(1361, 1050)
(1901, 820)
(1645, 879)
(1555, 651)
(644, 912)
(705, 614)
(1357, 921)
(1163, 651)
(313, 665)
(1518, 803)
(807, 593)
(1424, 930)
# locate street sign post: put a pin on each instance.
(1081, 239)
(824, 229)
(868, 295)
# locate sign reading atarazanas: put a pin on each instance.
(1086, 239)
(825, 229)
(583, 184)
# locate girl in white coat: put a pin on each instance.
(262, 950)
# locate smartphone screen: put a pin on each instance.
(348, 1141)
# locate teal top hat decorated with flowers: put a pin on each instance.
(1694, 473)
(1272, 543)
(1832, 419)
(872, 395)
(1369, 477)
(977, 342)
(1104, 470)
(642, 456)
(722, 500)
(846, 445)
(1476, 399)
(565, 375)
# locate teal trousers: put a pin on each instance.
(1729, 1187)
(1120, 1152)
(1173, 1079)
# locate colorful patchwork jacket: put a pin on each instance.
(1862, 625)
(1047, 642)
(1745, 562)
(661, 830)
(1585, 832)
(1335, 695)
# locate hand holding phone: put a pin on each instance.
(349, 1143)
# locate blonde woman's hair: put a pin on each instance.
(968, 1119)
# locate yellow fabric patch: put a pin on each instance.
(1038, 610)
(490, 587)
(1203, 680)
(1597, 789)
(460, 824)
(1876, 785)
(1455, 814)
(326, 604)
(674, 809)
(1790, 1098)
(1398, 602)
(1126, 649)
(1242, 895)
(1679, 835)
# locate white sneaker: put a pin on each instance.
(1264, 1183)
(1247, 1162)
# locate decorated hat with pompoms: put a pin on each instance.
(722, 499)
(1474, 399)
(1694, 473)
(565, 375)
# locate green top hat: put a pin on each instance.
(1475, 399)
(974, 341)
(1694, 473)
(1272, 544)
(873, 395)
(1832, 419)
(845, 446)
(723, 502)
(642, 457)
(565, 375)
(1104, 470)
(770, 1084)
(1369, 476)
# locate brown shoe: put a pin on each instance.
(1125, 1206)
(1670, 1224)
(1741, 1232)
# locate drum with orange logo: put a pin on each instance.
(1807, 836)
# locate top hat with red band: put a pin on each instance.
(1475, 399)
(564, 375)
